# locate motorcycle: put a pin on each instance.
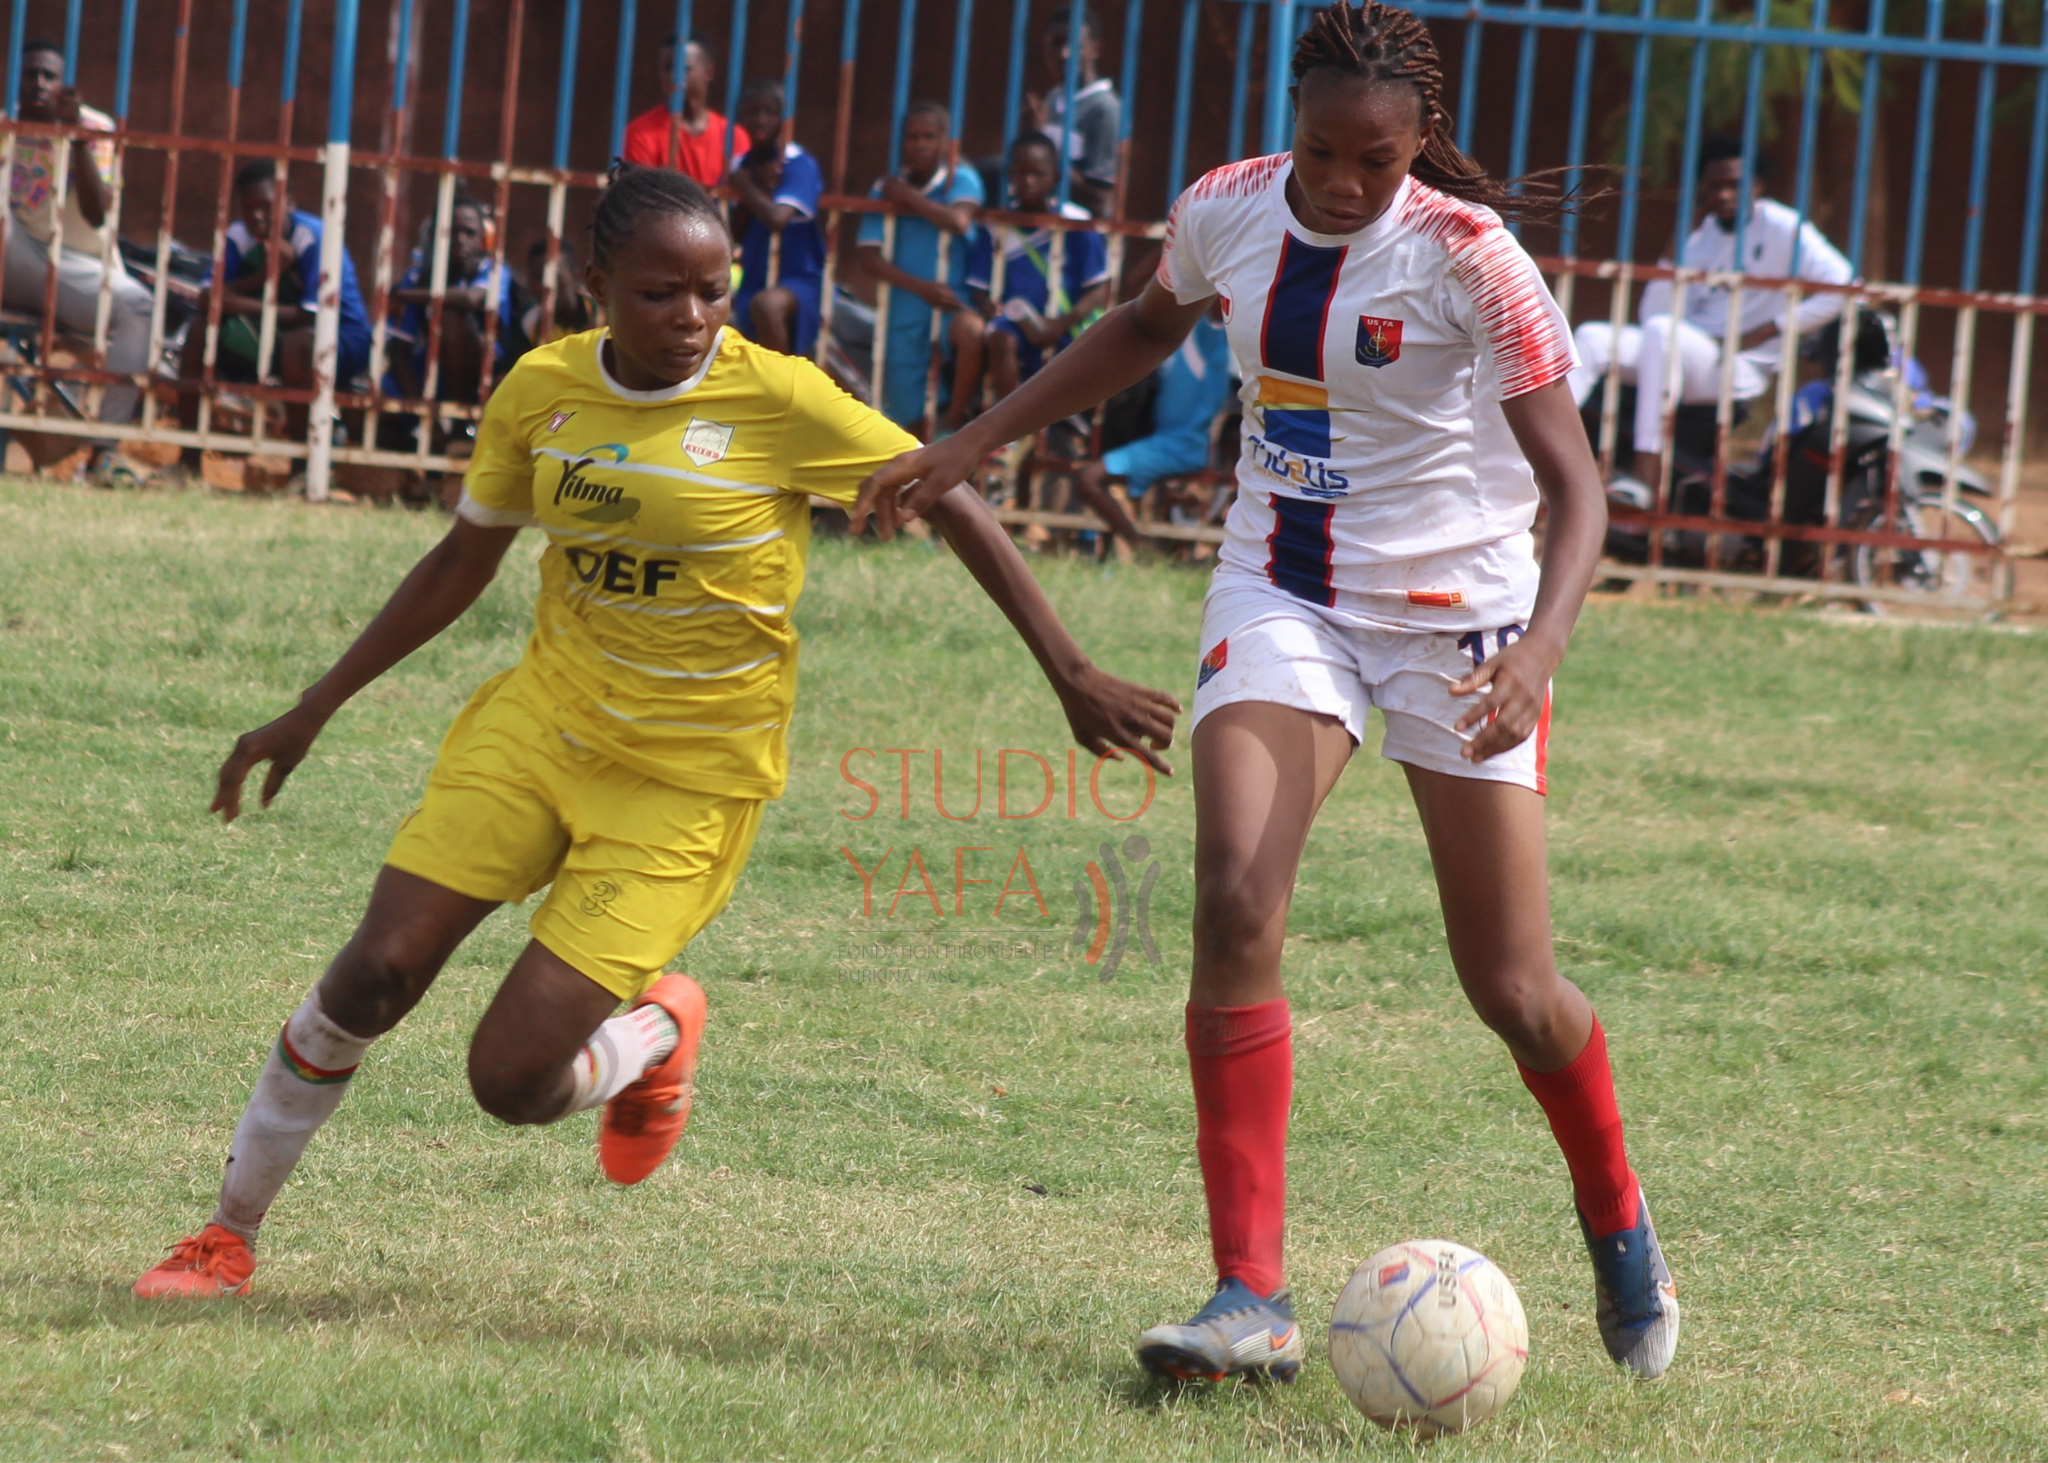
(1872, 409)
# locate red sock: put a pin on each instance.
(1579, 1101)
(1242, 1060)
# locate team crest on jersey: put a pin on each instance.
(1379, 341)
(704, 442)
(559, 420)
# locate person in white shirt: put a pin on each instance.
(1406, 409)
(1778, 244)
(82, 264)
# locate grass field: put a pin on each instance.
(930, 1195)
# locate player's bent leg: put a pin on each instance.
(406, 935)
(522, 1054)
(1486, 842)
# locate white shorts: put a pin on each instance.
(1260, 643)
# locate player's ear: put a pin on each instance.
(598, 283)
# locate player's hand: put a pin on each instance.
(905, 487)
(900, 191)
(1510, 688)
(65, 107)
(1110, 717)
(282, 743)
(939, 296)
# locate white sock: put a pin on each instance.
(300, 1087)
(619, 1053)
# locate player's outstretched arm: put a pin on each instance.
(1105, 713)
(1547, 428)
(1117, 351)
(430, 599)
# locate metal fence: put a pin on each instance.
(1932, 532)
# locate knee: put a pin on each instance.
(506, 1094)
(295, 357)
(1520, 1006)
(1235, 914)
(377, 978)
(1003, 346)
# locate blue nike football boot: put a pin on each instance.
(1634, 1299)
(1239, 1332)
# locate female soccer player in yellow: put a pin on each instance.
(625, 760)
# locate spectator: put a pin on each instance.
(1091, 141)
(929, 262)
(697, 146)
(1035, 312)
(1771, 236)
(474, 280)
(82, 266)
(778, 188)
(1194, 382)
(572, 304)
(243, 271)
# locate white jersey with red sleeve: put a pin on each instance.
(1377, 477)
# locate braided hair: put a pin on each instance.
(1383, 43)
(637, 194)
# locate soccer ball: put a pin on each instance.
(1429, 1335)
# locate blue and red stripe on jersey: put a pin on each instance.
(1298, 309)
(1299, 550)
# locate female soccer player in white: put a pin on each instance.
(1406, 405)
(624, 762)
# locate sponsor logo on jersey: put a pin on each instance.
(608, 502)
(1379, 341)
(559, 420)
(1311, 477)
(1296, 415)
(704, 442)
(1217, 658)
(1437, 599)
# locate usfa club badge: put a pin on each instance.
(1379, 341)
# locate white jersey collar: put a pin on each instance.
(1378, 228)
(663, 393)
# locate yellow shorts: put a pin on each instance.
(638, 866)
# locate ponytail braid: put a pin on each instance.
(1383, 43)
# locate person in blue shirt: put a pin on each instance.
(244, 267)
(778, 188)
(474, 281)
(927, 268)
(1194, 383)
(1034, 315)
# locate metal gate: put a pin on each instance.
(1975, 82)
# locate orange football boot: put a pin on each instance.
(642, 1123)
(213, 1262)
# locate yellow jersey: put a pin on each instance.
(677, 523)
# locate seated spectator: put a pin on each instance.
(697, 146)
(572, 302)
(1194, 382)
(473, 280)
(1773, 234)
(244, 268)
(1035, 313)
(1090, 140)
(929, 262)
(83, 264)
(778, 188)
